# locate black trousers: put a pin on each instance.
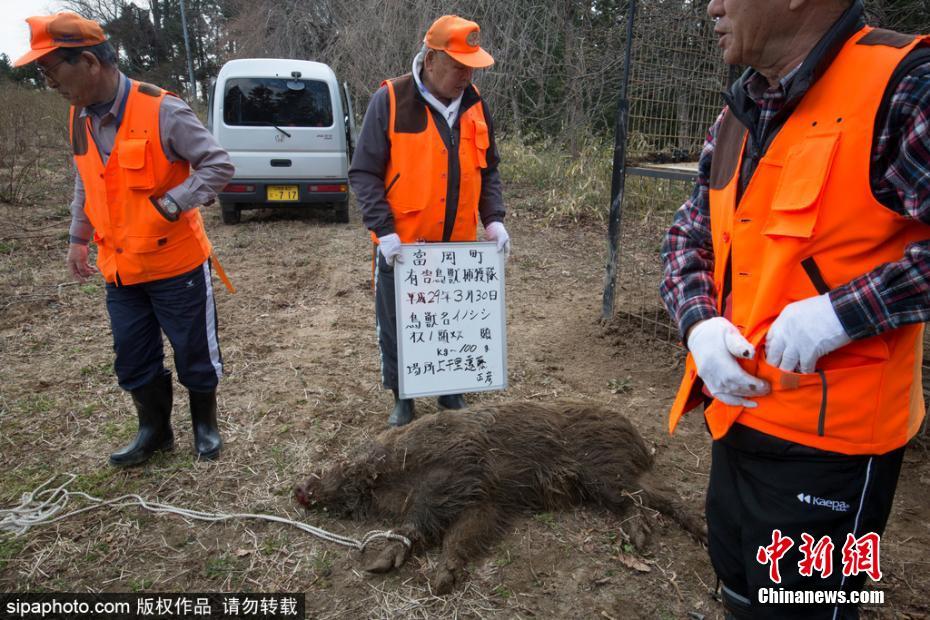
(386, 321)
(759, 484)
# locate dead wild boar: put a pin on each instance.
(459, 477)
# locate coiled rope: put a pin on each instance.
(40, 507)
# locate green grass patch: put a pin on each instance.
(177, 460)
(98, 551)
(88, 410)
(220, 567)
(323, 564)
(36, 404)
(279, 457)
(116, 432)
(100, 482)
(24, 479)
(503, 591)
(99, 370)
(503, 559)
(272, 544)
(140, 585)
(10, 547)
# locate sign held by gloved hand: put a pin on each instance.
(451, 328)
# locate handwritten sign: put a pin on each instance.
(451, 332)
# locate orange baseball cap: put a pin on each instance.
(458, 38)
(49, 32)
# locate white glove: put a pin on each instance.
(804, 332)
(715, 344)
(495, 231)
(389, 246)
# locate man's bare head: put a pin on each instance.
(772, 36)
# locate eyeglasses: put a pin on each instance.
(45, 71)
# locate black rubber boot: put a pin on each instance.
(402, 413)
(207, 442)
(735, 606)
(153, 405)
(452, 401)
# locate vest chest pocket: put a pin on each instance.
(797, 197)
(136, 164)
(476, 137)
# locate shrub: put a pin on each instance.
(577, 189)
(33, 140)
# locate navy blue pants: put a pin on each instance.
(183, 308)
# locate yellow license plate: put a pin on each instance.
(283, 193)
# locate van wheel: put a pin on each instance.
(341, 212)
(230, 213)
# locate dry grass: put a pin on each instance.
(301, 390)
(569, 189)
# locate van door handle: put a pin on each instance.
(280, 163)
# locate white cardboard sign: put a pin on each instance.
(451, 327)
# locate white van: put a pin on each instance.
(290, 130)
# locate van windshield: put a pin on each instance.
(276, 101)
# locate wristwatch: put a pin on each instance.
(169, 209)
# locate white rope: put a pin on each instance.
(41, 506)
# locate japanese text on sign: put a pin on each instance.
(450, 319)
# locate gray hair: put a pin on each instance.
(103, 52)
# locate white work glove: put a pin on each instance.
(389, 246)
(715, 344)
(804, 332)
(495, 231)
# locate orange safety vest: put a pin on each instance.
(808, 222)
(415, 181)
(134, 242)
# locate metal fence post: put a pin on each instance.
(618, 180)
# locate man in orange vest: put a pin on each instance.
(134, 145)
(797, 272)
(425, 169)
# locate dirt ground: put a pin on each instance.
(302, 388)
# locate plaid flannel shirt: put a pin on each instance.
(889, 296)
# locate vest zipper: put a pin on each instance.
(391, 184)
(813, 273)
(452, 172)
(821, 420)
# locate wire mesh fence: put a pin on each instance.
(676, 77)
(675, 81)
